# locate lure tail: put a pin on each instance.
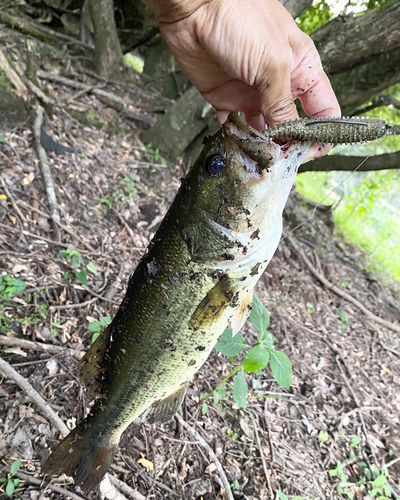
(82, 456)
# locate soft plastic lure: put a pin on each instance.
(344, 130)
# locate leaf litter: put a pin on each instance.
(345, 369)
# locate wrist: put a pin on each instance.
(171, 11)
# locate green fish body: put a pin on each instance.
(196, 279)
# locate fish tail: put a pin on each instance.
(83, 456)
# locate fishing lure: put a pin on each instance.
(345, 130)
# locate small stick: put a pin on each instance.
(46, 173)
(338, 291)
(125, 489)
(265, 469)
(9, 372)
(13, 76)
(34, 480)
(73, 306)
(36, 346)
(211, 455)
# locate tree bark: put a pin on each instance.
(362, 54)
(350, 163)
(174, 131)
(108, 49)
(296, 7)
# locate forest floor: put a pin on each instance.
(112, 193)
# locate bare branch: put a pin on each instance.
(377, 102)
(350, 163)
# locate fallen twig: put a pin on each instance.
(106, 97)
(36, 346)
(9, 372)
(73, 306)
(265, 469)
(34, 480)
(337, 290)
(211, 455)
(109, 490)
(14, 78)
(43, 33)
(46, 173)
(125, 489)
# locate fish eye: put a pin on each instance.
(215, 165)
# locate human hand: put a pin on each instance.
(248, 55)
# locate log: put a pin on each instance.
(174, 131)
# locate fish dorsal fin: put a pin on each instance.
(242, 313)
(90, 366)
(163, 410)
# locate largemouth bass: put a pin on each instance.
(196, 279)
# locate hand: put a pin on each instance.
(248, 55)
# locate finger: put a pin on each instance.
(277, 102)
(313, 86)
(255, 120)
(222, 116)
(316, 151)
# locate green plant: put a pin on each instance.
(77, 263)
(282, 496)
(370, 479)
(153, 155)
(10, 286)
(9, 481)
(98, 326)
(256, 359)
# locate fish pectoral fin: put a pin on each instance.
(90, 366)
(163, 410)
(242, 313)
(212, 306)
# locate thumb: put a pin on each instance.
(277, 103)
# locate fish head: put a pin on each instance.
(238, 189)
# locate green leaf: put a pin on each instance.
(373, 492)
(92, 268)
(15, 466)
(204, 408)
(230, 346)
(10, 488)
(95, 326)
(17, 480)
(218, 395)
(281, 368)
(267, 339)
(240, 390)
(2, 138)
(3, 479)
(82, 277)
(379, 481)
(256, 359)
(387, 490)
(323, 437)
(355, 441)
(282, 496)
(259, 315)
(95, 336)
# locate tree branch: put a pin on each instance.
(377, 102)
(350, 163)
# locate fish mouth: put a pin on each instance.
(267, 156)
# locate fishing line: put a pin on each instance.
(333, 190)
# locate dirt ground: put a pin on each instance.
(112, 194)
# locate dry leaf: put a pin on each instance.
(3, 197)
(210, 468)
(146, 463)
(13, 219)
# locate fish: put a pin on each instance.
(195, 280)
